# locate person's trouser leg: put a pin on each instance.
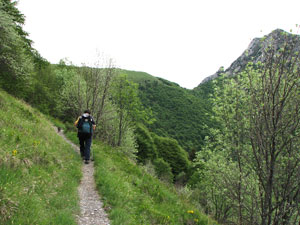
(82, 145)
(88, 142)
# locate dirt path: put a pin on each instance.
(91, 208)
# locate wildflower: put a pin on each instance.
(196, 220)
(14, 152)
(190, 211)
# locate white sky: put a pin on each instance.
(182, 41)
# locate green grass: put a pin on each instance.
(39, 172)
(132, 196)
(139, 77)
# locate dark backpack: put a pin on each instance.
(85, 125)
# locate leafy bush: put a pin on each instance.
(170, 151)
(163, 170)
(146, 147)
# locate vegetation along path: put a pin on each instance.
(91, 210)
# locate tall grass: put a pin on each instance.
(132, 196)
(39, 172)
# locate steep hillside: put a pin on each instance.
(39, 172)
(180, 113)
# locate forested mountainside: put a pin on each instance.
(185, 114)
(179, 113)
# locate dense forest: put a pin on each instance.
(179, 113)
(233, 142)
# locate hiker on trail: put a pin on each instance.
(86, 125)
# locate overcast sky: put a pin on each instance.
(182, 41)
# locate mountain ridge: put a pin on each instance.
(254, 51)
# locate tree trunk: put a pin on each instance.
(120, 129)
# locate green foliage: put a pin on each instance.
(129, 145)
(39, 172)
(146, 147)
(107, 127)
(73, 91)
(125, 97)
(206, 92)
(23, 72)
(170, 151)
(163, 170)
(128, 106)
(15, 51)
(164, 153)
(245, 166)
(218, 180)
(179, 113)
(46, 88)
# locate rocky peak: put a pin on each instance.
(254, 52)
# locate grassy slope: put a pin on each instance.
(134, 197)
(139, 77)
(39, 172)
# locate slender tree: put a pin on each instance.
(274, 116)
(98, 80)
(128, 105)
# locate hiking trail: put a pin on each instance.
(91, 207)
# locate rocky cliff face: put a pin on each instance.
(254, 53)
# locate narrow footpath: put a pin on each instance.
(91, 208)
